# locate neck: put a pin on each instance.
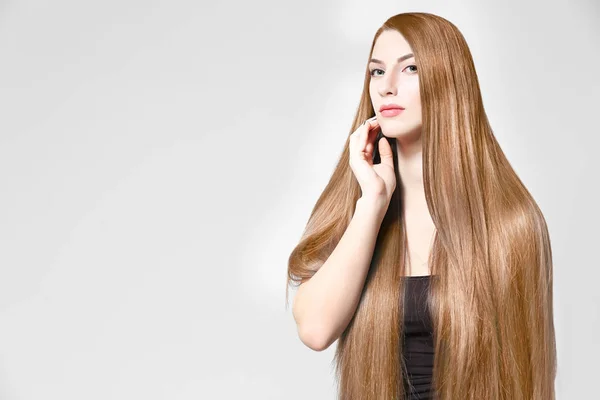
(410, 167)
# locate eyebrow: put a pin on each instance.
(400, 59)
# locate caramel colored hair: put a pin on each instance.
(490, 295)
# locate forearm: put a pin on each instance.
(325, 304)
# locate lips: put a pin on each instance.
(390, 107)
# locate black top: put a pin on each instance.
(418, 345)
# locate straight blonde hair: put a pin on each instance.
(490, 295)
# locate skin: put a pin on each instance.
(398, 83)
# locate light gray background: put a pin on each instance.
(159, 159)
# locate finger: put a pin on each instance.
(371, 140)
(369, 120)
(357, 141)
(367, 128)
(385, 152)
(354, 141)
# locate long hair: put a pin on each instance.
(490, 295)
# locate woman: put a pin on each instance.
(423, 200)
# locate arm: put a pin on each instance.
(325, 304)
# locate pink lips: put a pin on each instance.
(391, 112)
(388, 106)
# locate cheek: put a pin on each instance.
(415, 101)
(415, 97)
(415, 106)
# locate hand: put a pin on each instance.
(375, 180)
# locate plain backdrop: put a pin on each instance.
(159, 160)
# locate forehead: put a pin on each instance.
(389, 46)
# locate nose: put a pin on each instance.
(388, 85)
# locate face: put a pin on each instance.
(395, 81)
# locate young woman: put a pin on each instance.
(426, 257)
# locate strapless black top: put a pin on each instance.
(418, 345)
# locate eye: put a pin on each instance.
(409, 66)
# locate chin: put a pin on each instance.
(401, 132)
